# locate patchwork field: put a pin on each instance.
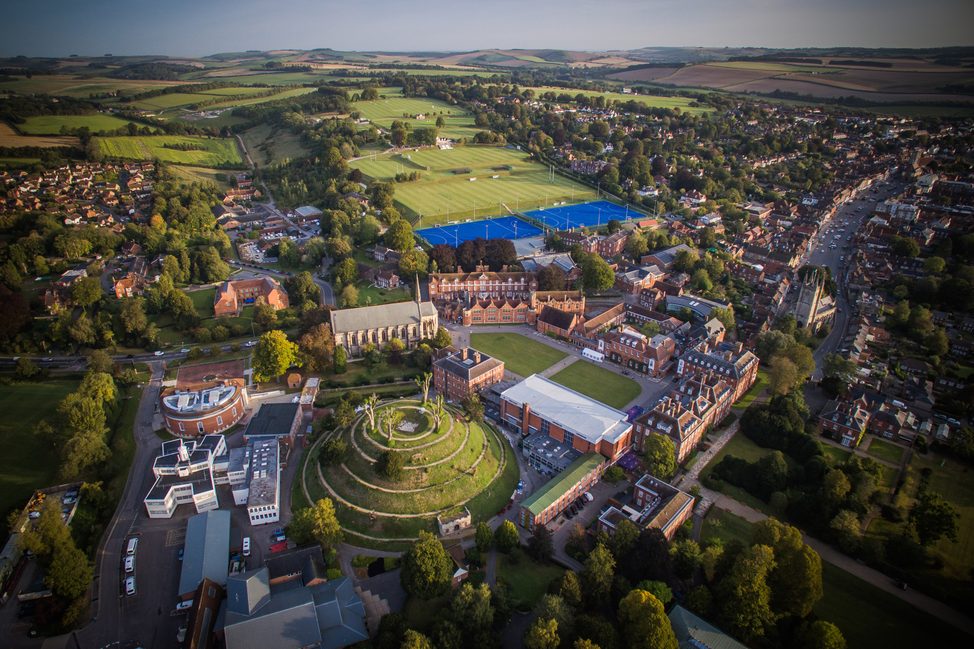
(73, 86)
(383, 112)
(201, 175)
(52, 124)
(654, 101)
(599, 383)
(10, 138)
(204, 151)
(470, 182)
(881, 80)
(520, 354)
(269, 145)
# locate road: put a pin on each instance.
(840, 232)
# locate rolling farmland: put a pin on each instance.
(52, 124)
(10, 138)
(684, 104)
(383, 112)
(203, 151)
(442, 195)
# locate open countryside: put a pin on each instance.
(178, 149)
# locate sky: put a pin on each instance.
(201, 27)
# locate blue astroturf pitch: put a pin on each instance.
(594, 214)
(505, 227)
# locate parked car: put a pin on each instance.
(129, 564)
(182, 606)
(130, 585)
(159, 353)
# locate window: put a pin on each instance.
(199, 425)
(219, 420)
(181, 428)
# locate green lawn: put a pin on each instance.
(203, 301)
(742, 447)
(599, 383)
(723, 525)
(27, 462)
(528, 580)
(371, 295)
(835, 454)
(885, 450)
(52, 124)
(653, 101)
(204, 151)
(955, 482)
(760, 383)
(447, 191)
(520, 354)
(383, 112)
(873, 619)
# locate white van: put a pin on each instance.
(129, 564)
(246, 546)
(133, 544)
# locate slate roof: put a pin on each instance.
(378, 316)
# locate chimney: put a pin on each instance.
(476, 358)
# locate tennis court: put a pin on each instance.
(505, 227)
(583, 215)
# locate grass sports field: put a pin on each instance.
(383, 112)
(520, 354)
(207, 152)
(52, 124)
(28, 462)
(653, 101)
(470, 182)
(599, 383)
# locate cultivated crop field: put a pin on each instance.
(52, 124)
(10, 138)
(72, 86)
(383, 112)
(441, 195)
(207, 152)
(653, 101)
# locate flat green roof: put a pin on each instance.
(555, 488)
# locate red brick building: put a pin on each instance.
(557, 322)
(464, 372)
(729, 361)
(628, 347)
(231, 297)
(481, 285)
(608, 246)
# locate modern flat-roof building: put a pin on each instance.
(545, 504)
(464, 372)
(278, 421)
(184, 474)
(547, 455)
(654, 504)
(263, 486)
(206, 551)
(410, 322)
(537, 404)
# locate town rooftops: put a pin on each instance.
(273, 419)
(580, 415)
(379, 316)
(207, 550)
(468, 363)
(555, 488)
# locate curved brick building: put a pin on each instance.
(189, 413)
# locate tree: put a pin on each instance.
(86, 292)
(905, 247)
(934, 265)
(500, 253)
(26, 369)
(636, 245)
(624, 539)
(82, 414)
(933, 518)
(506, 537)
(744, 596)
(598, 574)
(474, 407)
(444, 256)
(471, 608)
(390, 465)
(585, 643)
(597, 275)
(316, 523)
(99, 387)
(657, 589)
(265, 316)
(847, 530)
(413, 262)
(839, 371)
(540, 545)
(686, 558)
(555, 608)
(701, 280)
(273, 355)
(84, 449)
(399, 236)
(936, 342)
(132, 316)
(413, 639)
(100, 361)
(484, 537)
(442, 338)
(349, 297)
(835, 487)
(423, 383)
(644, 622)
(820, 635)
(783, 375)
(542, 634)
(427, 569)
(551, 278)
(570, 589)
(69, 574)
(341, 360)
(660, 456)
(796, 580)
(317, 347)
(345, 271)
